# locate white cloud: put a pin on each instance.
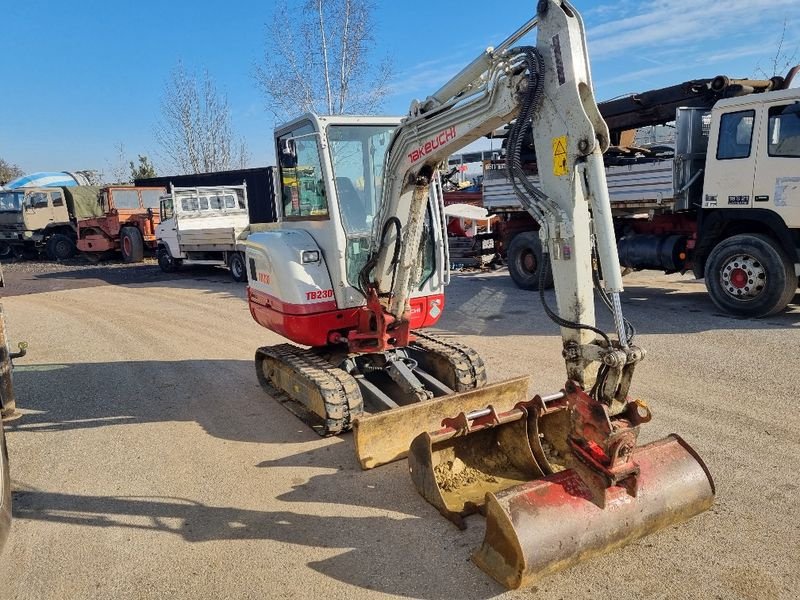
(653, 26)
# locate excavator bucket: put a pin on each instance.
(383, 437)
(546, 509)
(546, 525)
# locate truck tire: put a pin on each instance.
(166, 262)
(237, 266)
(750, 275)
(131, 245)
(6, 251)
(525, 261)
(60, 247)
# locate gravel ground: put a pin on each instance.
(151, 465)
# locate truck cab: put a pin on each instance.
(750, 219)
(29, 217)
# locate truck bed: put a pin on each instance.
(632, 188)
(219, 238)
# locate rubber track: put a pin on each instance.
(469, 367)
(339, 390)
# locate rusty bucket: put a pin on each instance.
(548, 524)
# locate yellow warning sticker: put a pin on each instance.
(560, 156)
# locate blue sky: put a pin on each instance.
(84, 76)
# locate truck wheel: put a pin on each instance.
(6, 251)
(525, 261)
(166, 262)
(750, 275)
(131, 244)
(60, 247)
(237, 267)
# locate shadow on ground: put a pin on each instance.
(37, 277)
(478, 303)
(391, 555)
(223, 396)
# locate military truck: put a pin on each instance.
(33, 220)
(94, 220)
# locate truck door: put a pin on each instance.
(60, 214)
(729, 178)
(38, 212)
(777, 181)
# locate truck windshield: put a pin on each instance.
(11, 201)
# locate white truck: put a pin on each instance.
(203, 226)
(724, 202)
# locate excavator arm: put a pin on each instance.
(550, 86)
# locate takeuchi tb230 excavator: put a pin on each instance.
(356, 267)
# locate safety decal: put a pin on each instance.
(560, 156)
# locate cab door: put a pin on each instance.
(777, 180)
(38, 213)
(731, 162)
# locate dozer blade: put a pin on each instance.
(545, 525)
(384, 437)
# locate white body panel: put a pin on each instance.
(277, 255)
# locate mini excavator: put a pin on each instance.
(355, 268)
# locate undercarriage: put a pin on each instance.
(329, 388)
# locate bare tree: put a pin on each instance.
(195, 133)
(9, 171)
(119, 170)
(782, 60)
(319, 57)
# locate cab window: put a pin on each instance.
(150, 198)
(57, 198)
(735, 135)
(37, 200)
(125, 199)
(167, 211)
(189, 204)
(302, 180)
(784, 130)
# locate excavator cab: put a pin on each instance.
(366, 371)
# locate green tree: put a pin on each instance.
(144, 170)
(9, 171)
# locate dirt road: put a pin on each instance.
(151, 465)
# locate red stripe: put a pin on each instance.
(289, 308)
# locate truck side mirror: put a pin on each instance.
(288, 154)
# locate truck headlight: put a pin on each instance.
(309, 256)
